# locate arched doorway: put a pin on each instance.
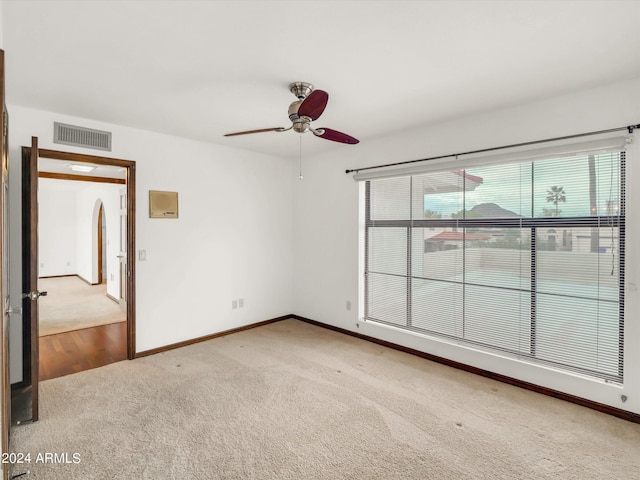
(100, 244)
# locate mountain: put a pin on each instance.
(487, 210)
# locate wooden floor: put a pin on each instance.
(78, 350)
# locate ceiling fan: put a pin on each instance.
(309, 106)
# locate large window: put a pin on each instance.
(525, 258)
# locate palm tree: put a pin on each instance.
(593, 209)
(556, 194)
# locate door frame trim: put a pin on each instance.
(130, 176)
(5, 423)
(30, 351)
(99, 235)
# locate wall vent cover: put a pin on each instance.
(81, 137)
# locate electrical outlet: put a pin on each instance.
(348, 304)
(240, 302)
(234, 304)
(142, 255)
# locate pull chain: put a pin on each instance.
(300, 176)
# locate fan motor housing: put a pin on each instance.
(293, 110)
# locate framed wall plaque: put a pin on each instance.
(163, 204)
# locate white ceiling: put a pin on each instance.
(199, 69)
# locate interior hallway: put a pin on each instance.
(80, 327)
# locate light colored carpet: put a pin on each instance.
(72, 304)
(294, 401)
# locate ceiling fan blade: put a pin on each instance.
(314, 104)
(335, 136)
(262, 130)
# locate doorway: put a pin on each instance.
(30, 341)
(78, 246)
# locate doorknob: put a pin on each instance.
(34, 295)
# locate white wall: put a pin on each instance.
(327, 223)
(67, 230)
(233, 238)
(88, 201)
(57, 227)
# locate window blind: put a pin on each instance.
(555, 150)
(524, 257)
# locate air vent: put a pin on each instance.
(81, 137)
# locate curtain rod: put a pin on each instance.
(629, 128)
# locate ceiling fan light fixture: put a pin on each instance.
(301, 125)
